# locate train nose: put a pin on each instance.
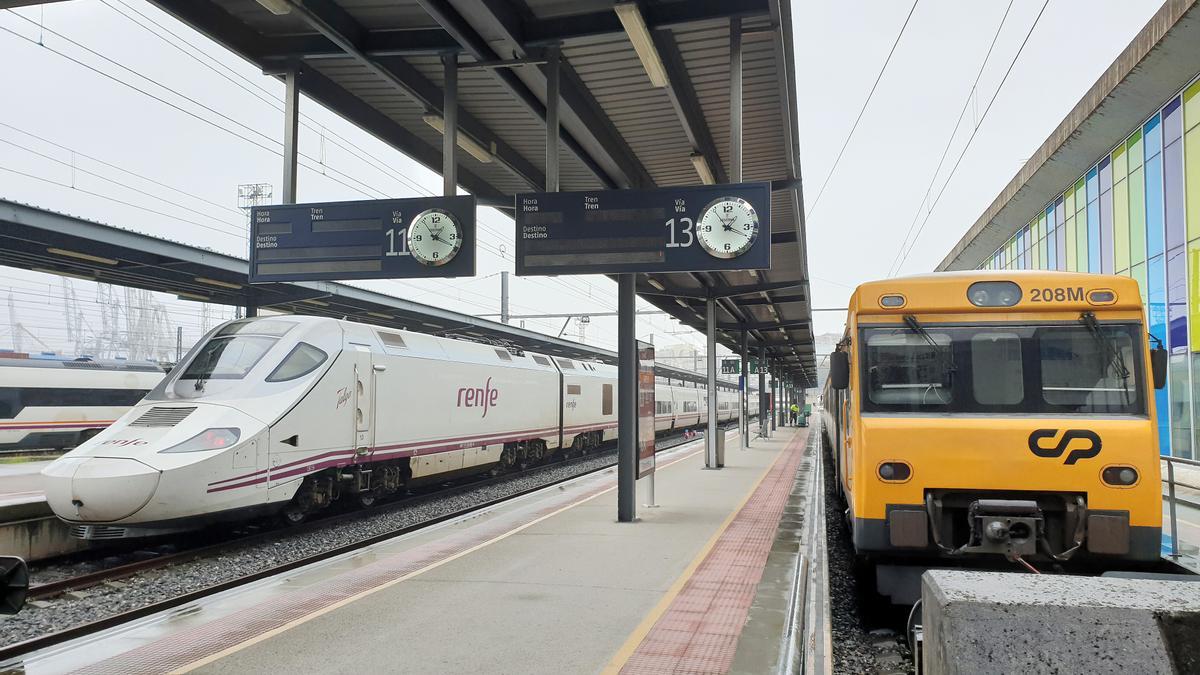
(100, 489)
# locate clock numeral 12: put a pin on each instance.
(395, 236)
(686, 225)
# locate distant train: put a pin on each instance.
(49, 404)
(286, 415)
(981, 416)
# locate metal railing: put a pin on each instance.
(1172, 500)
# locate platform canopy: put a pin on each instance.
(380, 66)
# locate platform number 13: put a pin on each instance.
(685, 225)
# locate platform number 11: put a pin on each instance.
(395, 236)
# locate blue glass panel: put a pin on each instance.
(1154, 206)
(1106, 232)
(1173, 194)
(1051, 249)
(1172, 122)
(1105, 175)
(1152, 137)
(1156, 308)
(1093, 185)
(1093, 234)
(1177, 310)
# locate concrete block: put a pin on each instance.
(995, 622)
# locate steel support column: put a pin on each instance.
(504, 313)
(711, 461)
(627, 393)
(735, 99)
(553, 80)
(744, 395)
(291, 129)
(450, 124)
(762, 392)
(774, 396)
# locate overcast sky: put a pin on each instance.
(87, 111)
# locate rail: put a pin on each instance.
(807, 644)
(1173, 500)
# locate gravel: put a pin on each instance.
(43, 617)
(867, 635)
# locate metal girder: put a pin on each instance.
(592, 137)
(599, 24)
(686, 104)
(340, 28)
(763, 325)
(752, 302)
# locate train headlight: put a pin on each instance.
(1119, 476)
(209, 439)
(894, 472)
(994, 293)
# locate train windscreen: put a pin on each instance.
(1004, 368)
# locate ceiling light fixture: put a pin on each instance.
(702, 169)
(656, 283)
(217, 282)
(470, 145)
(639, 34)
(82, 256)
(276, 7)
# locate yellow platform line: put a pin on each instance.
(643, 629)
(358, 596)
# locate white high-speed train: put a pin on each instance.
(59, 403)
(289, 414)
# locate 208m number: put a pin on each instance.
(1056, 294)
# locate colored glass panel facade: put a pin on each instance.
(1136, 212)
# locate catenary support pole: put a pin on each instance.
(627, 392)
(449, 124)
(504, 314)
(745, 394)
(762, 392)
(711, 460)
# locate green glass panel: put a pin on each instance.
(1080, 195)
(1070, 225)
(1069, 201)
(1191, 105)
(1081, 235)
(1194, 295)
(1121, 224)
(1139, 273)
(1191, 174)
(1119, 164)
(1134, 143)
(1137, 217)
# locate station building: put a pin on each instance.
(1116, 190)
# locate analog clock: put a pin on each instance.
(727, 227)
(434, 237)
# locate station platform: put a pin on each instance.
(21, 482)
(547, 583)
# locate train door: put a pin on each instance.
(365, 375)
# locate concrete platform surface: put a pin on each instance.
(996, 622)
(21, 482)
(548, 583)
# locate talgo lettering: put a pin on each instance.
(1092, 449)
(484, 397)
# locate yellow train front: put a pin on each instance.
(998, 416)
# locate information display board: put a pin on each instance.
(421, 237)
(731, 366)
(645, 425)
(677, 229)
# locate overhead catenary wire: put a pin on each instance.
(971, 96)
(966, 147)
(861, 111)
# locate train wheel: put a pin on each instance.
(367, 498)
(293, 514)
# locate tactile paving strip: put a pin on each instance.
(186, 647)
(698, 633)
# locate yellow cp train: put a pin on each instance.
(989, 415)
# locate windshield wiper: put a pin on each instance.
(916, 327)
(1112, 359)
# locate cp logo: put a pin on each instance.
(1069, 435)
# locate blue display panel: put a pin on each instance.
(678, 229)
(1156, 311)
(363, 240)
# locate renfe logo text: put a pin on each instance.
(475, 397)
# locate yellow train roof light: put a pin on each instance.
(892, 301)
(1102, 297)
(994, 293)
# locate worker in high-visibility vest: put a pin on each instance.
(795, 412)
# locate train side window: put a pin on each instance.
(541, 360)
(10, 402)
(574, 389)
(608, 400)
(998, 373)
(303, 359)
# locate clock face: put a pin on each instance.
(434, 237)
(727, 227)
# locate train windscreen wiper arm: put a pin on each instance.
(916, 327)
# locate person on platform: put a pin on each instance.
(795, 413)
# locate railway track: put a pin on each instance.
(88, 580)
